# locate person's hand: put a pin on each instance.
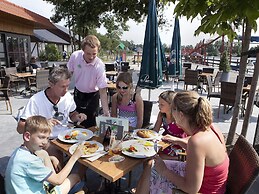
(81, 117)
(54, 121)
(159, 165)
(79, 151)
(169, 138)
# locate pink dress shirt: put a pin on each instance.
(89, 77)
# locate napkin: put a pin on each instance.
(97, 156)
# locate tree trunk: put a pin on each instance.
(242, 70)
(250, 103)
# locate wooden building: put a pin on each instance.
(16, 28)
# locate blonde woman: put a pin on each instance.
(206, 166)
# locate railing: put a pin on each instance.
(214, 62)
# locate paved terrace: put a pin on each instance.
(10, 139)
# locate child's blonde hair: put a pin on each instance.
(37, 124)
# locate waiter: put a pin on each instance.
(90, 80)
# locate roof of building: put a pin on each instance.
(10, 9)
(43, 35)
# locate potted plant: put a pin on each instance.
(224, 66)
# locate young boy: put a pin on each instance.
(30, 170)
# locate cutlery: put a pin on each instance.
(156, 146)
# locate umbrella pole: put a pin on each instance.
(149, 94)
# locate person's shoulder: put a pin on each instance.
(77, 53)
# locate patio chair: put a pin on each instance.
(208, 70)
(41, 81)
(15, 81)
(243, 167)
(4, 93)
(216, 82)
(191, 78)
(228, 96)
(109, 67)
(147, 113)
(209, 89)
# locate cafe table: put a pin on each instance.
(109, 170)
(26, 77)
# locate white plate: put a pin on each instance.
(150, 138)
(101, 148)
(144, 148)
(80, 135)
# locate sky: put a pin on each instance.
(136, 31)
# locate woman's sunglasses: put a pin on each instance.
(123, 87)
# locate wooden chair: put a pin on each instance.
(4, 93)
(243, 167)
(191, 78)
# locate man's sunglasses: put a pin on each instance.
(55, 107)
(123, 87)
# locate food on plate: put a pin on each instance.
(145, 133)
(84, 133)
(131, 149)
(90, 148)
(71, 135)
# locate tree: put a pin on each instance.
(216, 17)
(83, 15)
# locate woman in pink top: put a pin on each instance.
(206, 166)
(126, 103)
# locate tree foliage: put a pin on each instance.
(83, 15)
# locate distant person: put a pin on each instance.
(90, 80)
(64, 55)
(206, 166)
(33, 64)
(126, 103)
(30, 170)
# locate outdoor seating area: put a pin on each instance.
(124, 180)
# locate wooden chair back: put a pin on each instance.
(243, 167)
(216, 82)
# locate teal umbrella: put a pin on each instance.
(150, 76)
(163, 58)
(175, 65)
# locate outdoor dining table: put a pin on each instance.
(26, 77)
(102, 166)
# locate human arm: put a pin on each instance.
(194, 169)
(104, 101)
(176, 140)
(139, 109)
(158, 123)
(114, 105)
(58, 178)
(77, 117)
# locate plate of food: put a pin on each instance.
(145, 134)
(91, 148)
(138, 148)
(74, 135)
